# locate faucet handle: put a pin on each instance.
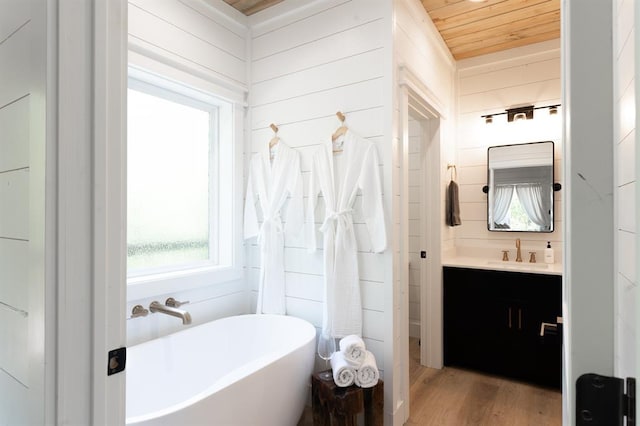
(532, 258)
(139, 311)
(174, 303)
(505, 255)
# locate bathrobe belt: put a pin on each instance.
(270, 224)
(343, 221)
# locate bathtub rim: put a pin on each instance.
(229, 378)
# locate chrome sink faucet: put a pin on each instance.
(518, 252)
(156, 306)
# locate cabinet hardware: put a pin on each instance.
(548, 326)
(509, 317)
(519, 319)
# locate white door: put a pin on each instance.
(599, 246)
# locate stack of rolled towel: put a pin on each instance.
(353, 363)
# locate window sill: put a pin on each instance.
(159, 284)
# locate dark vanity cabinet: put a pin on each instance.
(493, 321)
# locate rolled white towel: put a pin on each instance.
(354, 351)
(368, 375)
(343, 374)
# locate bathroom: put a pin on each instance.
(296, 64)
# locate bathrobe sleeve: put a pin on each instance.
(372, 208)
(295, 209)
(310, 225)
(251, 228)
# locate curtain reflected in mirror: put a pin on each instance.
(520, 195)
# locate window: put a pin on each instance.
(518, 217)
(171, 188)
(179, 185)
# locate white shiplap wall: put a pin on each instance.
(416, 217)
(309, 60)
(625, 188)
(204, 43)
(490, 84)
(16, 33)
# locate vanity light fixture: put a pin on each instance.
(520, 113)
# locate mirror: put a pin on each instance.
(520, 193)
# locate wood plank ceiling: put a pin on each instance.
(249, 7)
(472, 29)
(475, 28)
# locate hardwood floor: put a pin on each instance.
(457, 397)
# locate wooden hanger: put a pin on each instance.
(274, 141)
(339, 131)
(454, 173)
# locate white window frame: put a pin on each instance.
(227, 168)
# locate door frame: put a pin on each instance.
(87, 57)
(414, 94)
(109, 205)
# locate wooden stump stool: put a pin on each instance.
(336, 406)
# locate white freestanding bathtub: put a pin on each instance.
(242, 371)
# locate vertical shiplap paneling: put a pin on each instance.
(625, 189)
(307, 64)
(15, 61)
(416, 214)
(208, 41)
(489, 84)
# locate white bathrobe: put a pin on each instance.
(272, 182)
(339, 177)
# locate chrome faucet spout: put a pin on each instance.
(518, 252)
(156, 306)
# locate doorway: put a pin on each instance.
(420, 225)
(423, 132)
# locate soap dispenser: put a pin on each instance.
(548, 254)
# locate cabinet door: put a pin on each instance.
(533, 299)
(542, 355)
(475, 321)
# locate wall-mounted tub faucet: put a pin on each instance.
(156, 306)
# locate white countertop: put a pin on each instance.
(498, 265)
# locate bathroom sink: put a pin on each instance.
(518, 265)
